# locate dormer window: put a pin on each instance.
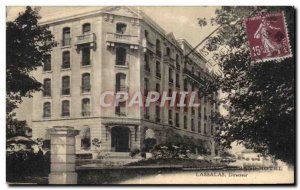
(121, 28)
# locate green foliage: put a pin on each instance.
(260, 99)
(27, 45)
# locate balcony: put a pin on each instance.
(66, 42)
(158, 75)
(148, 45)
(85, 113)
(122, 39)
(85, 89)
(86, 39)
(194, 77)
(158, 53)
(168, 59)
(121, 88)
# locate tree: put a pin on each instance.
(27, 45)
(260, 99)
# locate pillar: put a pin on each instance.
(63, 155)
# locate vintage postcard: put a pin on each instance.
(150, 95)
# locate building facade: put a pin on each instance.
(120, 49)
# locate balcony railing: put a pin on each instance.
(65, 65)
(86, 88)
(66, 42)
(168, 59)
(193, 76)
(65, 91)
(158, 75)
(85, 113)
(157, 119)
(121, 88)
(148, 45)
(158, 53)
(85, 39)
(122, 38)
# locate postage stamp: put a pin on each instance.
(268, 37)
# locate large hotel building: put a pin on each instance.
(120, 49)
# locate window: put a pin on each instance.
(120, 82)
(211, 129)
(120, 56)
(65, 85)
(205, 129)
(158, 48)
(85, 107)
(146, 60)
(47, 87)
(157, 113)
(47, 63)
(85, 83)
(47, 109)
(170, 117)
(146, 87)
(146, 34)
(120, 109)
(65, 109)
(121, 28)
(185, 85)
(146, 115)
(168, 52)
(177, 80)
(66, 37)
(177, 59)
(85, 138)
(86, 28)
(205, 116)
(177, 119)
(158, 74)
(86, 56)
(192, 125)
(199, 126)
(66, 60)
(170, 75)
(157, 88)
(185, 122)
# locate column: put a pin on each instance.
(63, 155)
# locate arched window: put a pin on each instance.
(85, 138)
(121, 28)
(47, 109)
(146, 60)
(47, 87)
(85, 107)
(66, 59)
(85, 83)
(65, 108)
(86, 28)
(120, 56)
(65, 85)
(85, 56)
(66, 41)
(120, 82)
(177, 58)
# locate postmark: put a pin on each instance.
(268, 37)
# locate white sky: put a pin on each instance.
(182, 21)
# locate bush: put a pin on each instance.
(27, 163)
